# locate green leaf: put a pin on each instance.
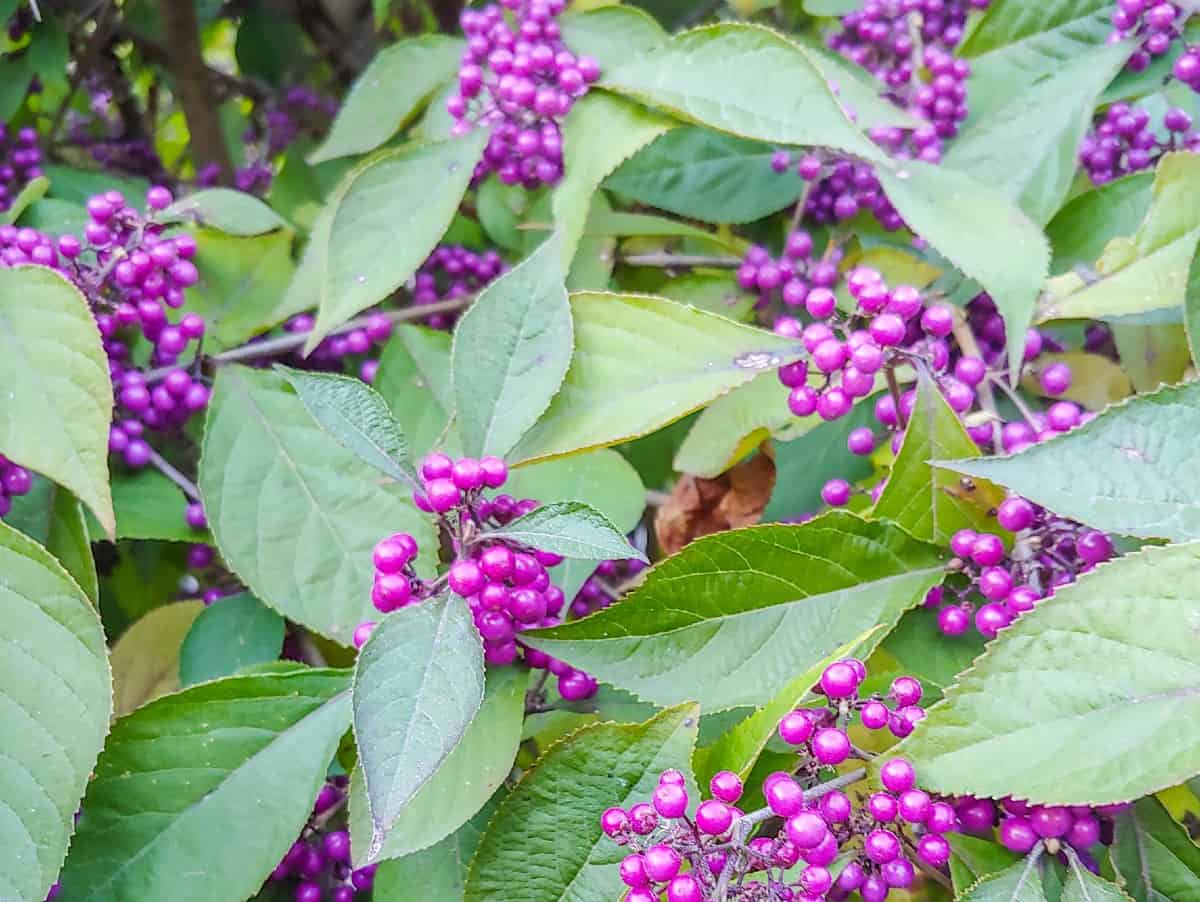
(569, 528)
(58, 396)
(228, 211)
(68, 540)
(295, 514)
(1182, 803)
(393, 87)
(730, 428)
(715, 76)
(1149, 271)
(417, 684)
(1097, 380)
(243, 287)
(56, 697)
(610, 34)
(1154, 859)
(734, 616)
(1084, 886)
(145, 660)
(381, 223)
(150, 506)
(548, 829)
(1139, 475)
(355, 414)
(711, 291)
(978, 229)
(34, 190)
(77, 185)
(1019, 882)
(608, 396)
(511, 351)
(924, 652)
(975, 858)
(151, 806)
(228, 635)
(804, 464)
(414, 379)
(1153, 355)
(601, 132)
(440, 871)
(1107, 668)
(1030, 145)
(1080, 230)
(738, 748)
(463, 783)
(929, 502)
(707, 175)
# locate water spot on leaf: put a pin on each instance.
(757, 360)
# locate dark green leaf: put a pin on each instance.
(1081, 229)
(734, 616)
(414, 379)
(1154, 859)
(1084, 886)
(976, 858)
(179, 773)
(229, 635)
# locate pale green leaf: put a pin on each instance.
(610, 34)
(145, 659)
(226, 210)
(1019, 882)
(569, 528)
(730, 428)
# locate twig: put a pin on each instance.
(294, 340)
(164, 466)
(967, 344)
(308, 649)
(1021, 406)
(665, 260)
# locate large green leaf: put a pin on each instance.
(978, 229)
(1149, 271)
(56, 699)
(609, 396)
(601, 132)
(179, 773)
(358, 417)
(295, 514)
(54, 518)
(391, 89)
(417, 684)
(1154, 858)
(929, 502)
(243, 287)
(1102, 680)
(1084, 225)
(707, 175)
(1030, 145)
(149, 506)
(57, 393)
(1019, 882)
(440, 871)
(463, 783)
(414, 379)
(730, 428)
(235, 632)
(1131, 470)
(511, 352)
(548, 830)
(382, 221)
(734, 616)
(569, 528)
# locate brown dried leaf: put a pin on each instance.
(698, 507)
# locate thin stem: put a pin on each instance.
(1018, 403)
(655, 498)
(665, 260)
(889, 372)
(967, 344)
(308, 649)
(293, 340)
(164, 466)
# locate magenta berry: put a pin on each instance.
(713, 817)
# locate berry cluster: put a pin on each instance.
(1122, 141)
(102, 132)
(1156, 23)
(452, 272)
(131, 274)
(1047, 552)
(820, 822)
(519, 79)
(332, 352)
(506, 585)
(14, 481)
(319, 861)
(1020, 826)
(20, 162)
